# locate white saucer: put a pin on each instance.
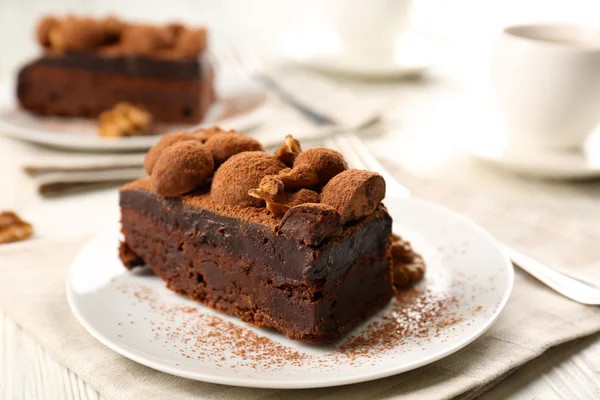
(541, 163)
(319, 48)
(241, 106)
(476, 129)
(134, 314)
(566, 165)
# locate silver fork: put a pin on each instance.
(577, 288)
(246, 63)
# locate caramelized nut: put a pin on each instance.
(13, 228)
(271, 189)
(354, 193)
(277, 209)
(288, 151)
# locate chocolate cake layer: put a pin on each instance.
(236, 262)
(135, 66)
(84, 85)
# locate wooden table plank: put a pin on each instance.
(28, 372)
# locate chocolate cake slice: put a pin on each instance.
(296, 242)
(90, 65)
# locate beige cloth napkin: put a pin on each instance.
(57, 172)
(32, 293)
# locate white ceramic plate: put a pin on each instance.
(321, 50)
(468, 282)
(245, 101)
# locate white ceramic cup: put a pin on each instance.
(546, 83)
(369, 28)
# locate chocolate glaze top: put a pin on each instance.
(201, 198)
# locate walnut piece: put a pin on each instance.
(288, 151)
(124, 120)
(13, 228)
(272, 191)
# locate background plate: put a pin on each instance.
(241, 106)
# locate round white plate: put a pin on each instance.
(321, 49)
(475, 128)
(81, 134)
(468, 282)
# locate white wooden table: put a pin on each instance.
(28, 372)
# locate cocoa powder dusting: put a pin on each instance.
(415, 316)
(241, 173)
(228, 144)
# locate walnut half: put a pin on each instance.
(272, 191)
(124, 120)
(288, 151)
(13, 228)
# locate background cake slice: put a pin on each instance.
(90, 65)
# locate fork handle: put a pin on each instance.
(567, 286)
(312, 115)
